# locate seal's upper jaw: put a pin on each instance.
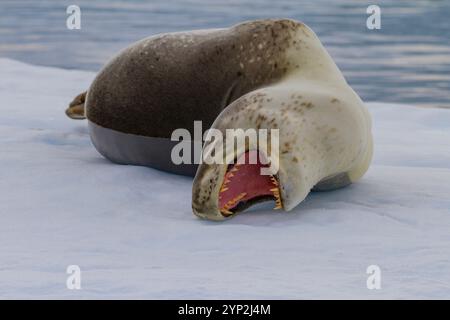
(224, 190)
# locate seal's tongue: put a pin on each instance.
(244, 185)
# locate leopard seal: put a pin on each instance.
(271, 73)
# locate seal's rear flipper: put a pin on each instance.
(76, 107)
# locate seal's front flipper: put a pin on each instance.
(76, 107)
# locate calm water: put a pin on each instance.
(407, 61)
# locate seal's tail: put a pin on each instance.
(76, 107)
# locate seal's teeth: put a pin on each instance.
(278, 204)
(231, 203)
(236, 199)
(226, 212)
(224, 185)
(243, 194)
(276, 194)
(274, 181)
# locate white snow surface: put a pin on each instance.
(132, 232)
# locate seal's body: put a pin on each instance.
(258, 74)
(168, 81)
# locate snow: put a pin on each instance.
(132, 232)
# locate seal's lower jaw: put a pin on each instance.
(244, 185)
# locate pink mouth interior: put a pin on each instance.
(244, 185)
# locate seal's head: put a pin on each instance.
(241, 162)
(317, 137)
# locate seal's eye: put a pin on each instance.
(243, 185)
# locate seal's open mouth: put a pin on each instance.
(244, 185)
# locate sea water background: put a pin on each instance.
(407, 61)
